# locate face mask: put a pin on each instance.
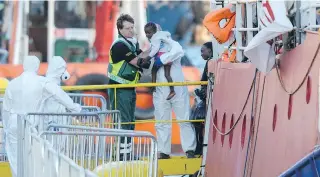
(65, 76)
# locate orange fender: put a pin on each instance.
(212, 20)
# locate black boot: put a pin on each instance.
(190, 154)
(164, 156)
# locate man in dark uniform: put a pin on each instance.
(124, 68)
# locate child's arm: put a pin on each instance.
(155, 47)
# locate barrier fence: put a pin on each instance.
(82, 147)
(52, 146)
(95, 101)
(43, 160)
(3, 156)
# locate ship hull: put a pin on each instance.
(277, 127)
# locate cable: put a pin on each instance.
(305, 77)
(242, 111)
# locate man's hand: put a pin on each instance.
(142, 63)
(201, 93)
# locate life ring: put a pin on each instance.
(212, 20)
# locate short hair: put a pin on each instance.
(151, 25)
(208, 45)
(122, 18)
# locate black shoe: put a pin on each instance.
(190, 154)
(164, 156)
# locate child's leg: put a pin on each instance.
(167, 69)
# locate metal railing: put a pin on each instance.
(3, 155)
(94, 100)
(82, 146)
(42, 160)
(93, 149)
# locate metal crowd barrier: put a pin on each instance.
(1, 102)
(111, 119)
(81, 144)
(101, 119)
(37, 157)
(94, 149)
(94, 117)
(3, 156)
(90, 108)
(94, 100)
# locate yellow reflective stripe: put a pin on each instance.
(118, 79)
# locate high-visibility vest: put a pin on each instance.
(123, 72)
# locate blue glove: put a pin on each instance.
(158, 63)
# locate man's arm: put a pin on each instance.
(205, 73)
(121, 52)
(62, 97)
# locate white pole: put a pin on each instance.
(51, 28)
(141, 21)
(25, 50)
(17, 50)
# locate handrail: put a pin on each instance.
(102, 87)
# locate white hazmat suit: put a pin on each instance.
(57, 72)
(179, 103)
(26, 94)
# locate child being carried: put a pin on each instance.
(159, 47)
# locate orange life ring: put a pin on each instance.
(212, 20)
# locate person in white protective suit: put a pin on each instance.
(179, 104)
(57, 72)
(26, 94)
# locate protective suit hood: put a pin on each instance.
(31, 64)
(57, 70)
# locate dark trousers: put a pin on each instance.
(125, 102)
(199, 127)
